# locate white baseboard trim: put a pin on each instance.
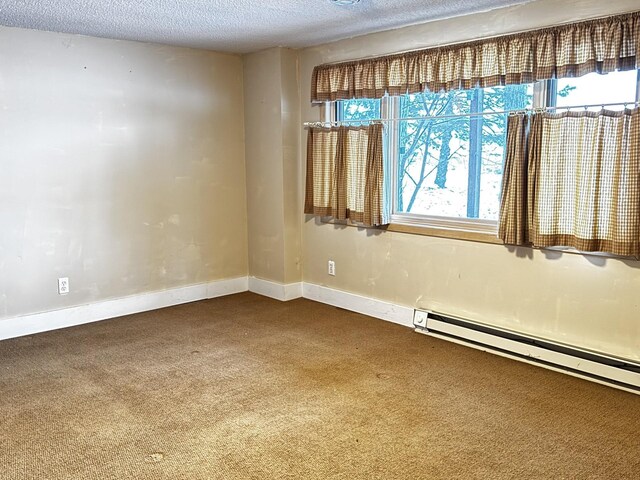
(94, 312)
(279, 291)
(357, 303)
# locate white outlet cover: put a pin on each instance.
(420, 318)
(331, 267)
(63, 285)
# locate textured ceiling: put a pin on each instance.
(238, 26)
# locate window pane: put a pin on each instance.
(359, 109)
(426, 144)
(452, 166)
(595, 88)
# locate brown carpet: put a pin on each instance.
(248, 387)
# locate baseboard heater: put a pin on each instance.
(615, 372)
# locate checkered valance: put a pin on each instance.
(602, 45)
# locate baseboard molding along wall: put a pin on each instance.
(360, 304)
(94, 312)
(279, 291)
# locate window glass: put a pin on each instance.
(452, 166)
(358, 109)
(594, 88)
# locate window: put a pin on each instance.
(451, 166)
(446, 168)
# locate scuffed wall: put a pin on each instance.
(121, 167)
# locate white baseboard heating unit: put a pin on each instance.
(611, 371)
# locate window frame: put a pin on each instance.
(542, 92)
(476, 229)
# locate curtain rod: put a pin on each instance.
(457, 115)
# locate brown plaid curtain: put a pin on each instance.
(514, 226)
(601, 45)
(345, 174)
(573, 180)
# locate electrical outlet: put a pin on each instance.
(331, 268)
(63, 286)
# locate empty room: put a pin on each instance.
(319, 239)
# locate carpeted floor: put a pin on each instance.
(245, 387)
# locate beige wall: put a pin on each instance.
(121, 167)
(272, 142)
(587, 301)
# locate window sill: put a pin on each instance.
(429, 231)
(456, 234)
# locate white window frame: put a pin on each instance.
(544, 95)
(541, 95)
